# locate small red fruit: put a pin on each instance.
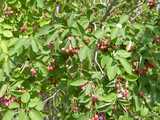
(23, 28)
(130, 46)
(50, 45)
(126, 93)
(151, 3)
(141, 71)
(94, 99)
(33, 72)
(103, 45)
(50, 68)
(156, 40)
(141, 94)
(95, 117)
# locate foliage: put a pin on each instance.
(79, 60)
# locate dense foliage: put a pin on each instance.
(79, 59)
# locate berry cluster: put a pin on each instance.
(103, 45)
(8, 11)
(50, 45)
(7, 101)
(33, 72)
(70, 51)
(157, 40)
(99, 116)
(122, 91)
(151, 3)
(141, 71)
(23, 28)
(130, 46)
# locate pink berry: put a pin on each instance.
(33, 72)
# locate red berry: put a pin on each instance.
(129, 47)
(23, 28)
(126, 93)
(103, 45)
(157, 40)
(95, 117)
(50, 45)
(50, 68)
(83, 86)
(151, 3)
(141, 71)
(94, 99)
(33, 72)
(150, 65)
(141, 94)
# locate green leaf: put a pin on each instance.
(40, 106)
(78, 82)
(6, 68)
(111, 72)
(125, 117)
(25, 97)
(83, 53)
(14, 105)
(33, 102)
(35, 115)
(22, 115)
(127, 67)
(131, 77)
(34, 46)
(109, 97)
(81, 28)
(3, 46)
(3, 89)
(40, 3)
(7, 33)
(123, 54)
(123, 19)
(106, 60)
(8, 115)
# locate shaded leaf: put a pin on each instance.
(78, 82)
(3, 89)
(127, 67)
(8, 115)
(35, 115)
(7, 33)
(25, 97)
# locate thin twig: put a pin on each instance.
(96, 62)
(51, 96)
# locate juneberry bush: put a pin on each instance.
(79, 59)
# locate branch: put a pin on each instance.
(46, 100)
(112, 2)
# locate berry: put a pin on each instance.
(125, 93)
(95, 117)
(151, 3)
(50, 68)
(23, 28)
(141, 71)
(156, 40)
(141, 94)
(8, 11)
(94, 99)
(130, 46)
(50, 45)
(83, 86)
(70, 51)
(33, 72)
(150, 65)
(103, 45)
